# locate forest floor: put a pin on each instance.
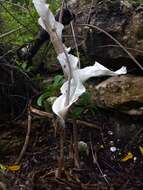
(113, 158)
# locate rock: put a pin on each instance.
(124, 21)
(122, 93)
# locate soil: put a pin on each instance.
(103, 165)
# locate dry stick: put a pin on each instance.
(61, 11)
(59, 48)
(75, 42)
(61, 158)
(88, 18)
(10, 32)
(62, 132)
(17, 5)
(112, 45)
(75, 139)
(27, 137)
(116, 41)
(96, 162)
(51, 116)
(75, 133)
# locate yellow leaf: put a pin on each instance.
(2, 167)
(127, 157)
(13, 168)
(141, 149)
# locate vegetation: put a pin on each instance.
(101, 147)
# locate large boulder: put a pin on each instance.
(122, 93)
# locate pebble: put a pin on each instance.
(113, 149)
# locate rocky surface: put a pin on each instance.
(123, 93)
(124, 21)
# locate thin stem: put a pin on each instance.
(75, 139)
(117, 46)
(75, 42)
(96, 162)
(26, 139)
(10, 32)
(61, 159)
(61, 11)
(17, 5)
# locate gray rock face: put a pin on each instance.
(120, 19)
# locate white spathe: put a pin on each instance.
(79, 76)
(47, 19)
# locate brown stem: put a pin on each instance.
(75, 139)
(61, 158)
(26, 138)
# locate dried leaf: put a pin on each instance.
(127, 157)
(13, 168)
(141, 149)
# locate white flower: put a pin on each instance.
(79, 77)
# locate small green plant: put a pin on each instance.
(50, 90)
(85, 103)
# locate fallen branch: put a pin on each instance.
(26, 138)
(51, 116)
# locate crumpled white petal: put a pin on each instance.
(79, 77)
(47, 18)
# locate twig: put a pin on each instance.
(59, 48)
(89, 15)
(51, 116)
(75, 141)
(116, 41)
(61, 158)
(10, 32)
(27, 137)
(61, 11)
(117, 46)
(96, 162)
(17, 5)
(75, 42)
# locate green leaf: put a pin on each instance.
(58, 80)
(77, 112)
(42, 98)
